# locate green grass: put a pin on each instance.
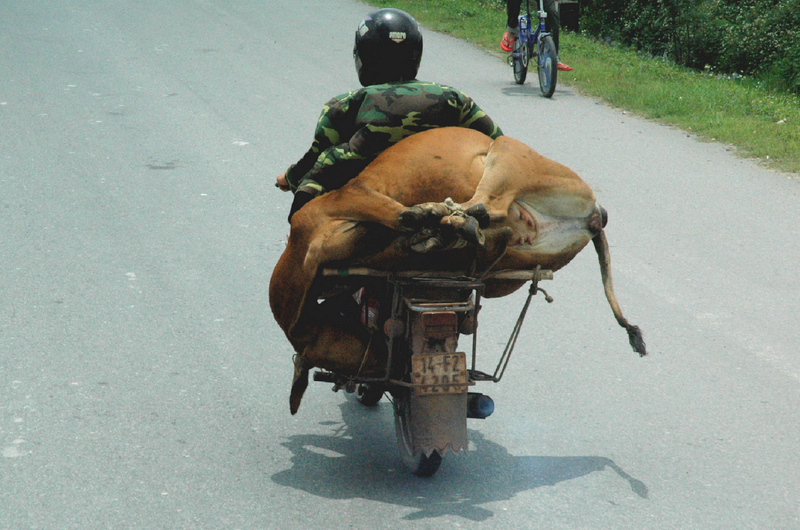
(759, 123)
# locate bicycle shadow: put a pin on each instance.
(360, 459)
(531, 89)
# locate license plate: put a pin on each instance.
(439, 373)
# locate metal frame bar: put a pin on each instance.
(444, 280)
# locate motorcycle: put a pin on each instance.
(420, 317)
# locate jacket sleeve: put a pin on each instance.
(327, 135)
(474, 117)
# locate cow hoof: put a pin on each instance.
(480, 214)
(429, 245)
(409, 219)
(471, 231)
(427, 241)
(416, 216)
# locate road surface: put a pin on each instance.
(143, 382)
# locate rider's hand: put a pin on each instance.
(282, 183)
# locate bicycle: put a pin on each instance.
(540, 43)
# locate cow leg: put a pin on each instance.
(511, 169)
(514, 170)
(364, 204)
(449, 214)
(327, 229)
(419, 215)
(358, 202)
(292, 306)
(324, 230)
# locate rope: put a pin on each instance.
(495, 262)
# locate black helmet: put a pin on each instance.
(388, 47)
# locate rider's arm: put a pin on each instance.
(327, 134)
(346, 155)
(474, 117)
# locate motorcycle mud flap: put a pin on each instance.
(438, 422)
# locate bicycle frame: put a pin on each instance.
(539, 33)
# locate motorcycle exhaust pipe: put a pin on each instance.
(479, 406)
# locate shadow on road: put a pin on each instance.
(531, 90)
(360, 459)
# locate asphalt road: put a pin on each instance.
(143, 382)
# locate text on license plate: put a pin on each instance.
(439, 373)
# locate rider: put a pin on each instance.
(552, 25)
(354, 128)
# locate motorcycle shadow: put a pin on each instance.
(360, 459)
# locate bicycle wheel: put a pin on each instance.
(547, 66)
(421, 465)
(519, 59)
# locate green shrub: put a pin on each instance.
(747, 37)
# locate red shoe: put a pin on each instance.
(507, 44)
(564, 68)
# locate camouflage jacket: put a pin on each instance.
(356, 127)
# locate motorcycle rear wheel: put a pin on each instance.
(418, 463)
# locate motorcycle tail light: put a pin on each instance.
(439, 325)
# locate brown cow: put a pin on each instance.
(413, 208)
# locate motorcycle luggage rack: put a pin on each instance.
(521, 275)
(443, 280)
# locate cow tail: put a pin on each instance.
(604, 256)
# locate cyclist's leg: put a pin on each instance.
(512, 25)
(513, 8)
(553, 23)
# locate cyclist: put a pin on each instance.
(552, 24)
(356, 127)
